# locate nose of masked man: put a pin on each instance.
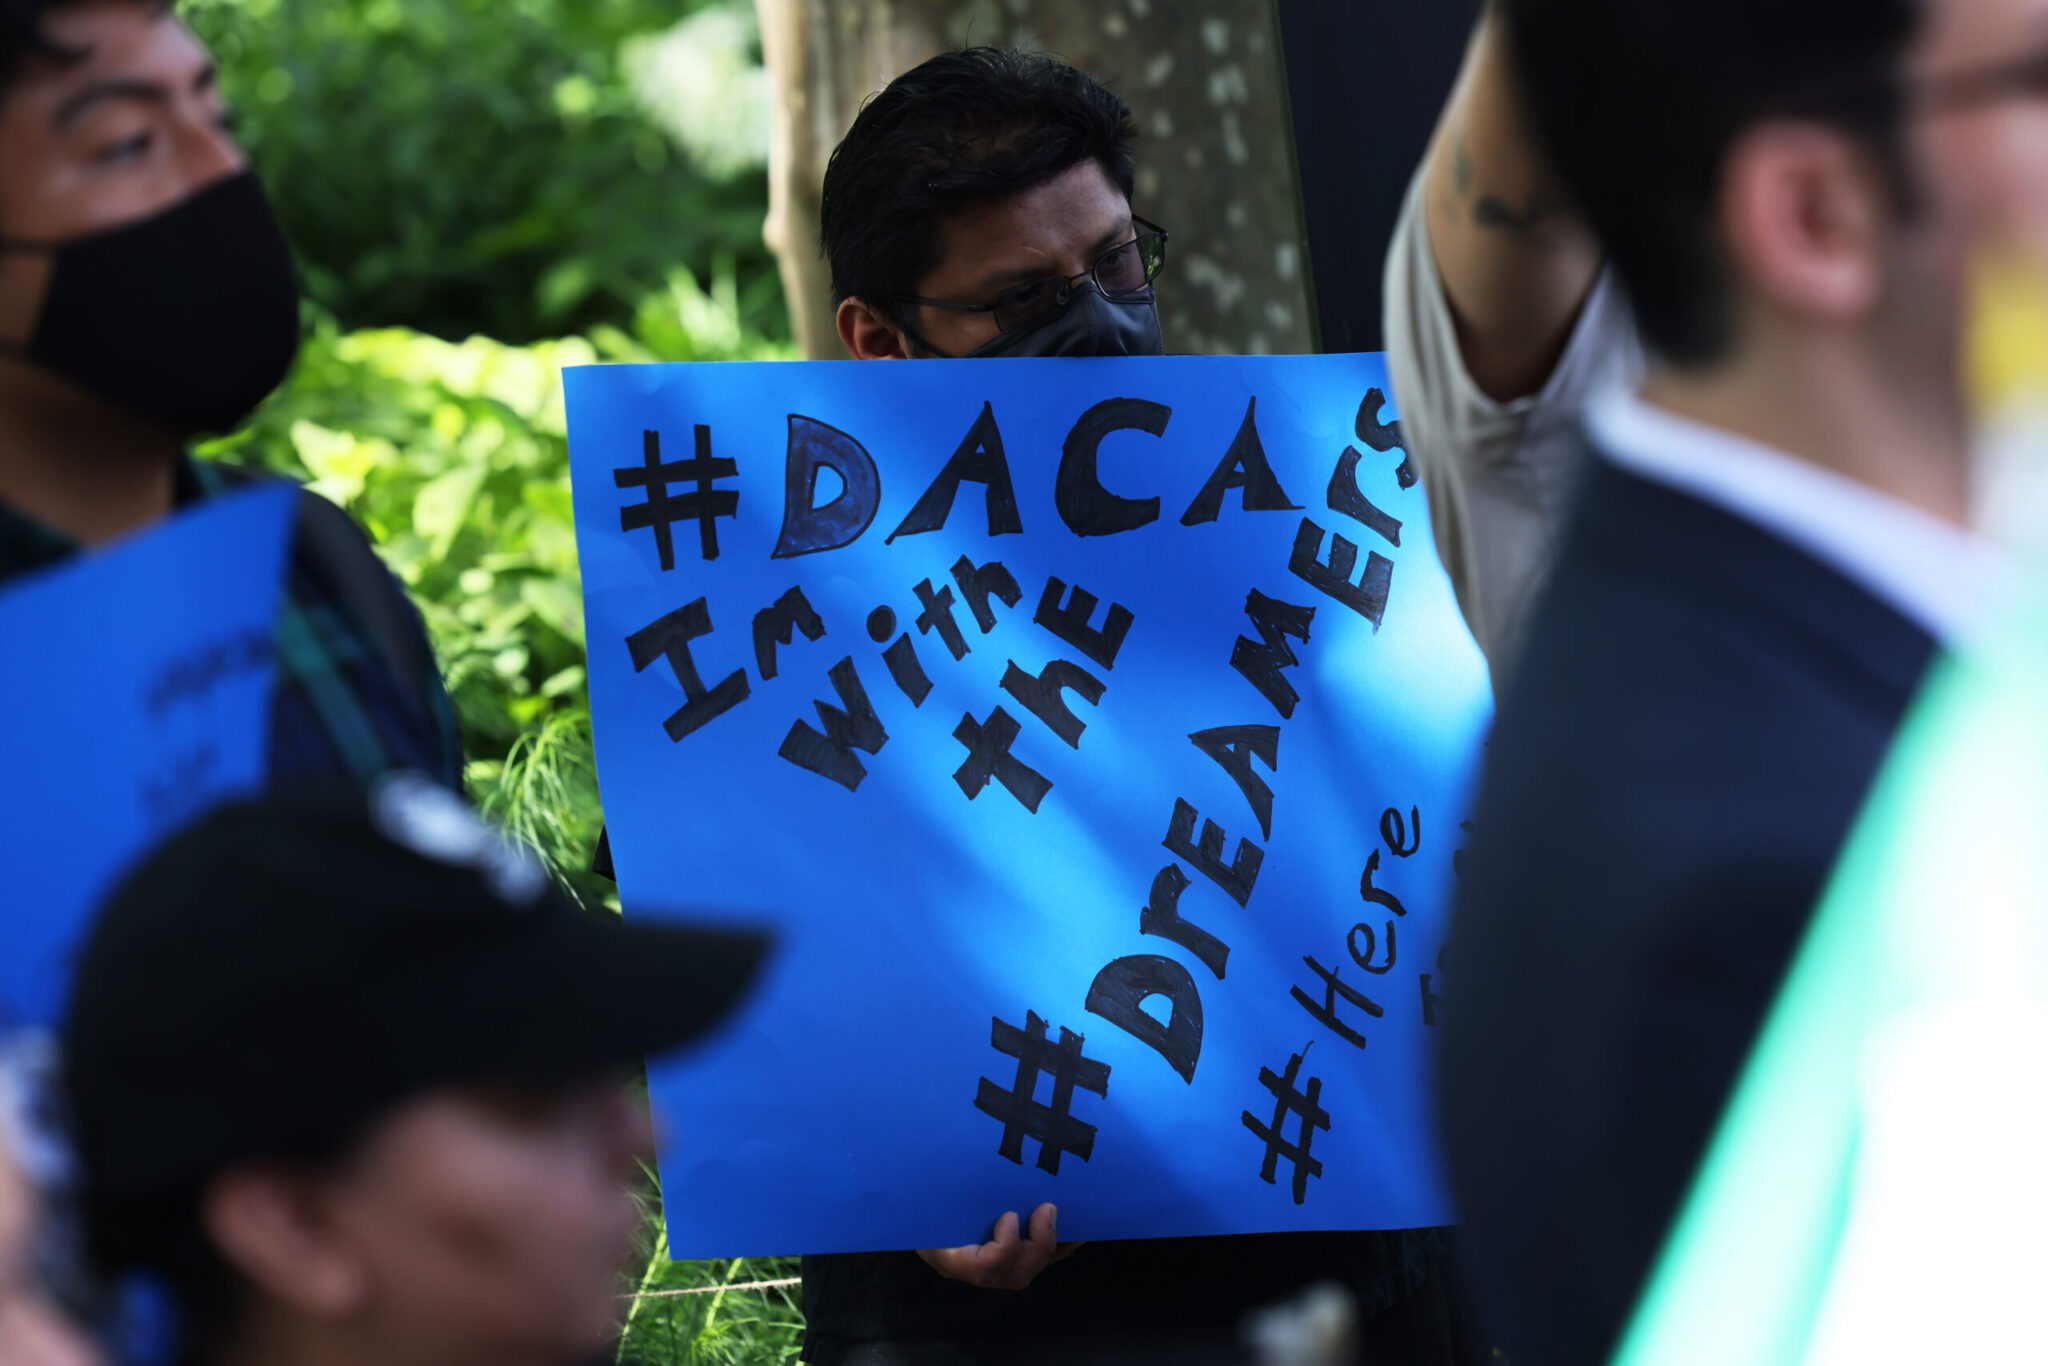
(188, 318)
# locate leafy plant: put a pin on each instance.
(485, 169)
(454, 457)
(485, 166)
(715, 1313)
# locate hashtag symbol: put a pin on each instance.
(1291, 1100)
(663, 509)
(1022, 1114)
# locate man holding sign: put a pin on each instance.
(147, 296)
(980, 207)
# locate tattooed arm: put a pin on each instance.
(1516, 265)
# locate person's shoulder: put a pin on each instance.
(1671, 713)
(329, 536)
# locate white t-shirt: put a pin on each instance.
(1498, 475)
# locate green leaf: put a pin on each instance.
(557, 602)
(443, 506)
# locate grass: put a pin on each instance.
(720, 1325)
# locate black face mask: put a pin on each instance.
(1091, 325)
(188, 318)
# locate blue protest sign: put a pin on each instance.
(140, 697)
(1096, 732)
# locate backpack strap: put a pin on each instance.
(362, 580)
(363, 583)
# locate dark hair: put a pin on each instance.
(1638, 103)
(166, 1241)
(962, 129)
(22, 38)
(23, 41)
(163, 1238)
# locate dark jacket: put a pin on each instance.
(1681, 751)
(358, 690)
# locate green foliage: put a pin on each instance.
(482, 166)
(482, 169)
(454, 457)
(723, 1324)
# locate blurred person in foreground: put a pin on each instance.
(343, 1073)
(34, 1331)
(981, 207)
(147, 297)
(1767, 544)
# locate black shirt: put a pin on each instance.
(1156, 1291)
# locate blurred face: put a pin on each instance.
(1984, 156)
(1062, 228)
(131, 129)
(487, 1226)
(1978, 149)
(32, 1331)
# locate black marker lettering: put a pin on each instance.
(907, 671)
(1326, 1011)
(1118, 993)
(1345, 498)
(1070, 623)
(663, 509)
(979, 584)
(1233, 748)
(1244, 467)
(1084, 504)
(1162, 917)
(806, 529)
(1395, 831)
(938, 615)
(1261, 663)
(1383, 438)
(978, 460)
(1374, 894)
(1367, 597)
(1237, 878)
(988, 757)
(1363, 957)
(779, 624)
(669, 638)
(831, 755)
(1044, 698)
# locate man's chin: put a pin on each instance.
(50, 400)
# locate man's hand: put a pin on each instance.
(1005, 1261)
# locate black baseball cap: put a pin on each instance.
(284, 973)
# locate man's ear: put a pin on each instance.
(868, 333)
(274, 1227)
(1807, 217)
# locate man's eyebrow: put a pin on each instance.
(997, 281)
(1114, 238)
(130, 88)
(106, 92)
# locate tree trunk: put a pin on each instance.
(1214, 165)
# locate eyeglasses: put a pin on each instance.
(1118, 272)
